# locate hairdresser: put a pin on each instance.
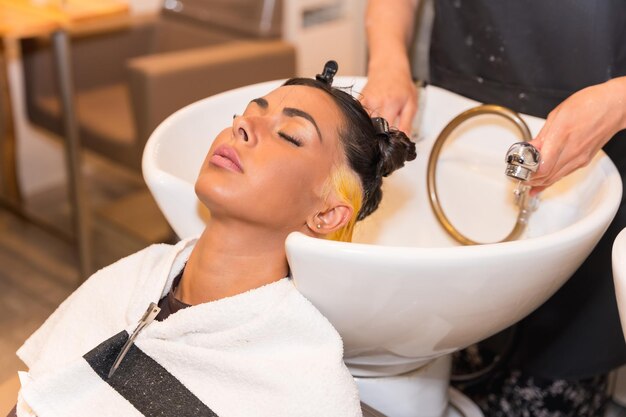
(563, 61)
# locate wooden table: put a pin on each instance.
(56, 19)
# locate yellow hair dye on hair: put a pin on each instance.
(347, 185)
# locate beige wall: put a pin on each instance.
(326, 29)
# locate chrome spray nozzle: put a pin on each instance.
(522, 160)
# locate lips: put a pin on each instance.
(226, 157)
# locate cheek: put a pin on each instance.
(279, 189)
(293, 183)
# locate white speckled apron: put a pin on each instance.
(530, 55)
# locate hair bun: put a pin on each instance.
(395, 149)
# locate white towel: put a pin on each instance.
(266, 352)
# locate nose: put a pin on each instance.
(241, 128)
(248, 129)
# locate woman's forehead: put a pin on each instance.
(313, 100)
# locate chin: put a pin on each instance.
(213, 197)
(215, 183)
(222, 201)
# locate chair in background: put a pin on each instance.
(127, 82)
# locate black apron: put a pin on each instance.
(530, 55)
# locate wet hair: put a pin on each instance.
(371, 154)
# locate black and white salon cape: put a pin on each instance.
(265, 352)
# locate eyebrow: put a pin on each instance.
(291, 112)
(261, 102)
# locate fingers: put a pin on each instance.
(536, 190)
(577, 129)
(391, 111)
(563, 150)
(548, 167)
(563, 168)
(549, 157)
(380, 107)
(407, 115)
(383, 106)
(559, 160)
(549, 142)
(397, 106)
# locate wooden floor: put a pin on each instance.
(39, 269)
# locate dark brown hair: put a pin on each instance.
(371, 154)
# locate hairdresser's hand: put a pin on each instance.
(391, 93)
(577, 129)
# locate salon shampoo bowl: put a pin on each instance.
(619, 275)
(405, 293)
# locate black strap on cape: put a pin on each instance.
(147, 385)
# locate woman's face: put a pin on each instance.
(271, 167)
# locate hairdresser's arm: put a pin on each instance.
(578, 128)
(390, 91)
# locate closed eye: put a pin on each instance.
(297, 142)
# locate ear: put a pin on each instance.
(330, 220)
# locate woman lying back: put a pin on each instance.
(233, 336)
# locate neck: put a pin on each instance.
(228, 260)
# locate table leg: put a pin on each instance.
(11, 197)
(81, 215)
(8, 167)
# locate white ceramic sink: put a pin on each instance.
(405, 292)
(619, 275)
